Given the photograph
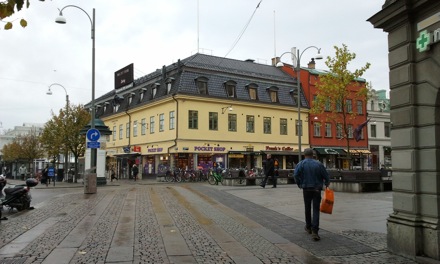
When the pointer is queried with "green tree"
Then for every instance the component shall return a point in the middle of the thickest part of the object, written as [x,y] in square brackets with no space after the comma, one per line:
[10,7]
[335,88]
[61,134]
[24,148]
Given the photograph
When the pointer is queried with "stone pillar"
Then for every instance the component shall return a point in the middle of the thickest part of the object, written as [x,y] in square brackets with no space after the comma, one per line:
[413,226]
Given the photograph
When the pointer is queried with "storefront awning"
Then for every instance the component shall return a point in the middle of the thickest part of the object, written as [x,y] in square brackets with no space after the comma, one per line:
[330,151]
[127,155]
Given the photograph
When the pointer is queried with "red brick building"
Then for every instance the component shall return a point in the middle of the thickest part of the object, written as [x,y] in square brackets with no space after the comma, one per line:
[326,139]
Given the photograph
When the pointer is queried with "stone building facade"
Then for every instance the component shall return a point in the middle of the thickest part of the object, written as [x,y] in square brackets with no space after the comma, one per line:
[413,29]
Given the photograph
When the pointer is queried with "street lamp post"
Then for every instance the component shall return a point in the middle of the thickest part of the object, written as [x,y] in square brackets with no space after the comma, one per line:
[297,58]
[49,92]
[62,20]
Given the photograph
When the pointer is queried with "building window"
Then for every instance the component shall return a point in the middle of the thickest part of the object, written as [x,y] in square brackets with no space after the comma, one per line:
[143,126]
[127,130]
[114,133]
[360,107]
[339,106]
[273,94]
[130,98]
[387,129]
[253,91]
[154,89]
[142,93]
[202,85]
[339,130]
[317,129]
[169,84]
[373,130]
[298,127]
[161,122]
[253,94]
[267,125]
[250,124]
[135,128]
[328,130]
[151,124]
[349,106]
[350,131]
[193,119]
[232,122]
[327,105]
[372,105]
[213,121]
[283,126]
[230,88]
[121,131]
[172,119]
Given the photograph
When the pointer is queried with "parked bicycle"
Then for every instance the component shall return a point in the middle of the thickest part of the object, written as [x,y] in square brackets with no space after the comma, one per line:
[173,176]
[215,176]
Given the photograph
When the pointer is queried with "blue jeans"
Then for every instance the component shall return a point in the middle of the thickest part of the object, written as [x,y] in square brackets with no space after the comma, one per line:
[312,200]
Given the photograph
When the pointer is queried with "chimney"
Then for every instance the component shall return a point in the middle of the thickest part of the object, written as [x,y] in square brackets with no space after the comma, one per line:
[275,61]
[311,64]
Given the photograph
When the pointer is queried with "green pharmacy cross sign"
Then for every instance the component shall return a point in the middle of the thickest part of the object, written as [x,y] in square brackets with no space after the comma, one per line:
[423,41]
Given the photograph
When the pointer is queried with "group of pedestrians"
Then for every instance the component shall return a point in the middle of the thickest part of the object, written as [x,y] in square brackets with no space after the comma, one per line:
[311,176]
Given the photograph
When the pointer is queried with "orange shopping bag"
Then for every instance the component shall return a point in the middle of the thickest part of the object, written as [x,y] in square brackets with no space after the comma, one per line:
[327,201]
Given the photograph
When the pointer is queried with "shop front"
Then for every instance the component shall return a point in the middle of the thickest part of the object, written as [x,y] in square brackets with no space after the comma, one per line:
[331,157]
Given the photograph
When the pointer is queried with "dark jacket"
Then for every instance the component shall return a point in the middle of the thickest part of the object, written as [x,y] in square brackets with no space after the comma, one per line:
[269,167]
[135,170]
[310,173]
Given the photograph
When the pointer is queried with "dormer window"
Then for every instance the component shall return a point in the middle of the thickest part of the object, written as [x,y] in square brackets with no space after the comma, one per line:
[230,87]
[169,84]
[273,94]
[105,106]
[202,85]
[130,98]
[142,94]
[156,87]
[252,89]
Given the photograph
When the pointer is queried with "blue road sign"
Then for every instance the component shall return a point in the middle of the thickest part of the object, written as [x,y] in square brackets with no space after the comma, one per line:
[93,134]
[51,171]
[93,144]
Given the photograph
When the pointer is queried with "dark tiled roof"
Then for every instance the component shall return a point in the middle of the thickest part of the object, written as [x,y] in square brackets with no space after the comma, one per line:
[218,71]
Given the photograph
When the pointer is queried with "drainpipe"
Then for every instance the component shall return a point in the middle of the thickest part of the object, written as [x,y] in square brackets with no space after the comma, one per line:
[177,125]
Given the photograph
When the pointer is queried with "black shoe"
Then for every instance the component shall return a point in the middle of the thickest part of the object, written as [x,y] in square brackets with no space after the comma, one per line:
[315,236]
[273,186]
[261,185]
[308,230]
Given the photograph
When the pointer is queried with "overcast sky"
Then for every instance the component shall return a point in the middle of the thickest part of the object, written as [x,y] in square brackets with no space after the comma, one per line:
[153,33]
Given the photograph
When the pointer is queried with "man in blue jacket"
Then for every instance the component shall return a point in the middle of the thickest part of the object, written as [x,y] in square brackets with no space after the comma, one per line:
[311,176]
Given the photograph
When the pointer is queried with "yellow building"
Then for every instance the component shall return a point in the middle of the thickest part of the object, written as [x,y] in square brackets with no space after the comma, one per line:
[201,110]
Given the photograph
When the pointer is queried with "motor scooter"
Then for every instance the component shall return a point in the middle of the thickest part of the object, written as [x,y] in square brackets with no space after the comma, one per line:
[18,197]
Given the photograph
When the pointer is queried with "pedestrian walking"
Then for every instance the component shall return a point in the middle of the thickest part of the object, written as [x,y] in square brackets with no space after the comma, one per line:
[113,175]
[269,170]
[135,171]
[44,175]
[311,176]
[22,170]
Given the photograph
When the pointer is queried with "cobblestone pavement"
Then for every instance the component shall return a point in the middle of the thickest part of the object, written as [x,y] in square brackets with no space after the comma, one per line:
[178,223]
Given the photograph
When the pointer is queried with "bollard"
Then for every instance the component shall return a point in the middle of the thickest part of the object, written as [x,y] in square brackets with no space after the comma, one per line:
[89,183]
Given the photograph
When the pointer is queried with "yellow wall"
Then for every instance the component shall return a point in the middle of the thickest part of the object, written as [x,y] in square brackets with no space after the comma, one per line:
[203,136]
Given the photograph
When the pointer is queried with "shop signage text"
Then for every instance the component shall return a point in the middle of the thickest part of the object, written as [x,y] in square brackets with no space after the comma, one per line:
[155,150]
[210,149]
[275,148]
[427,38]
